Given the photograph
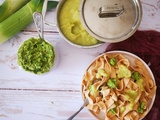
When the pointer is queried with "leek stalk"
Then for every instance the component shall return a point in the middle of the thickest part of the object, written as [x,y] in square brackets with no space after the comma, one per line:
[10,6]
[20,19]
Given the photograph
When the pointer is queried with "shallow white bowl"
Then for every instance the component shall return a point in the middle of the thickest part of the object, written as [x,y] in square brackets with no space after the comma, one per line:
[131,57]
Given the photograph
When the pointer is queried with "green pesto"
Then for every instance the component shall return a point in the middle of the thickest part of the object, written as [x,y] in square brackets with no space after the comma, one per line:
[36,55]
[111,83]
[113,61]
[141,107]
[113,111]
[135,76]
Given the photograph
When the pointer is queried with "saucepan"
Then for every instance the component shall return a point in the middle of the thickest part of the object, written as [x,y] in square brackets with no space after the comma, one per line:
[90,23]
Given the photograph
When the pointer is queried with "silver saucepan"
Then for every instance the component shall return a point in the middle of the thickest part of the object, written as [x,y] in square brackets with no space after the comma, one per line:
[108,21]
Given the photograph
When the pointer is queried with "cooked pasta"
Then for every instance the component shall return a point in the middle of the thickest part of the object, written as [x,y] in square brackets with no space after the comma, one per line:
[117,88]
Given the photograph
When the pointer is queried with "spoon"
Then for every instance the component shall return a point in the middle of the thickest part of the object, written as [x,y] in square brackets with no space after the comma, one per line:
[84,104]
[38,20]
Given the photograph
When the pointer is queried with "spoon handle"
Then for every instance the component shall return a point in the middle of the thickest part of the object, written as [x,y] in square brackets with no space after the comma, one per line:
[38,20]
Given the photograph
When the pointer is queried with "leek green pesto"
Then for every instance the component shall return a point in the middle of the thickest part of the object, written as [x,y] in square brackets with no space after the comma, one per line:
[36,55]
[70,24]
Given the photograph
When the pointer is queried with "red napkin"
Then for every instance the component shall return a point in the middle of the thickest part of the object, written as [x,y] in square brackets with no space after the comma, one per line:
[146,45]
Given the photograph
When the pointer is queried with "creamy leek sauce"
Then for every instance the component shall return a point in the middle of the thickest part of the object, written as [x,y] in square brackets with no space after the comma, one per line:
[70,24]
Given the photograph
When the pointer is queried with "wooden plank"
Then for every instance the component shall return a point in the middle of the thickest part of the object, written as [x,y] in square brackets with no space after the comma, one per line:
[40,105]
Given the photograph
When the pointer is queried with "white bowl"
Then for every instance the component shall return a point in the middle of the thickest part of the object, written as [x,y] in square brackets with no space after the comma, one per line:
[131,57]
[56,59]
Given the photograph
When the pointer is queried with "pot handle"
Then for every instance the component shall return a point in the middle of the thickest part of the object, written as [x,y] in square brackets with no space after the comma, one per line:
[110,11]
[44,10]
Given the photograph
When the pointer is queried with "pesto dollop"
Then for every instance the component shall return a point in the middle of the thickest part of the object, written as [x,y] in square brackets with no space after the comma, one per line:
[36,55]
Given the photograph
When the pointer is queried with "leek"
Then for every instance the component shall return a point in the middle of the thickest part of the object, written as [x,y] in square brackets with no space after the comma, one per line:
[9,7]
[20,19]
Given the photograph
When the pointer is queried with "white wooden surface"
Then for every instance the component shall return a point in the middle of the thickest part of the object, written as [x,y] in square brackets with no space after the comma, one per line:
[55,95]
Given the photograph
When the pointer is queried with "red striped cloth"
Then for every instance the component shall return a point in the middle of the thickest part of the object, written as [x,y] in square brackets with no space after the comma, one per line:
[146,45]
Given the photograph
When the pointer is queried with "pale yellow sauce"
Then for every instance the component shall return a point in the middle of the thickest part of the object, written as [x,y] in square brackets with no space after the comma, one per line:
[70,24]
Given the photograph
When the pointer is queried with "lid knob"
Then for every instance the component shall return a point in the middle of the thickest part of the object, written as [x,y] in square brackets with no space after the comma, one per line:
[111,11]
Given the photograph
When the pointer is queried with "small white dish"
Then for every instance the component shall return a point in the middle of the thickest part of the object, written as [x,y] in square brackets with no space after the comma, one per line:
[56,56]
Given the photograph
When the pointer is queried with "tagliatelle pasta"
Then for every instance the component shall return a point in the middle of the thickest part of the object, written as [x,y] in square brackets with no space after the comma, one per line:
[118,88]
